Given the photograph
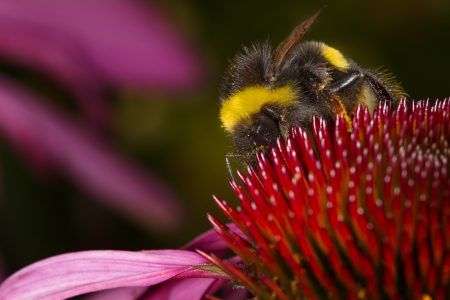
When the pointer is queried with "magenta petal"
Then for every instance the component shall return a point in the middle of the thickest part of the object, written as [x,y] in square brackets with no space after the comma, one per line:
[78,273]
[210,242]
[52,52]
[54,55]
[44,133]
[192,289]
[128,293]
[178,289]
[174,289]
[123,41]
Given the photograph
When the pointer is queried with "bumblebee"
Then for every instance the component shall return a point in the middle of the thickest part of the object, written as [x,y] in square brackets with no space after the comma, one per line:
[266,92]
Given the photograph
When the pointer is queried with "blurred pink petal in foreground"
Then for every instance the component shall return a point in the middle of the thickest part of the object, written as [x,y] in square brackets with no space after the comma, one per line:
[89,46]
[40,131]
[117,41]
[72,274]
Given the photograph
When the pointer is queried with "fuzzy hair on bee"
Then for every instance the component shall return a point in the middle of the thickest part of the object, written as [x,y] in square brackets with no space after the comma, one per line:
[266,92]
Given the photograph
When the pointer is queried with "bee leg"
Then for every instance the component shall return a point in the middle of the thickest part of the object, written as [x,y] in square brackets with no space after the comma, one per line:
[228,156]
[346,82]
[381,90]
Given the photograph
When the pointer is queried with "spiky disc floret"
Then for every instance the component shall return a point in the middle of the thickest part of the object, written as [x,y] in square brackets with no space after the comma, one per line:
[339,214]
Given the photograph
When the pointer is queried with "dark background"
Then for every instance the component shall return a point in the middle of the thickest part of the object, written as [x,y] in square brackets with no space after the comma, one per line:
[179,137]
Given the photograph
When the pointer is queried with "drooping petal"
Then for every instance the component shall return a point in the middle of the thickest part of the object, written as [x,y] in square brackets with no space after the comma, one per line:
[183,286]
[192,289]
[121,41]
[128,293]
[72,274]
[41,131]
[174,289]
[210,242]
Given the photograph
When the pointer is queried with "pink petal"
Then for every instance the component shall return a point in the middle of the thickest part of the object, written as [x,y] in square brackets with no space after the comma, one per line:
[120,40]
[48,49]
[72,274]
[42,131]
[192,289]
[55,54]
[129,293]
[210,242]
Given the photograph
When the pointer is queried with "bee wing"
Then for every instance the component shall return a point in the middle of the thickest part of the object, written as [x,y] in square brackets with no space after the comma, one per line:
[293,39]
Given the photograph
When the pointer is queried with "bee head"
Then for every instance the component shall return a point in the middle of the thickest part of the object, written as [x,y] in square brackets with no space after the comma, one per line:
[250,108]
[253,116]
[260,131]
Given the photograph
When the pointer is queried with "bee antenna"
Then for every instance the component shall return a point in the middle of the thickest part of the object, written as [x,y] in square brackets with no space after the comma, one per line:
[293,39]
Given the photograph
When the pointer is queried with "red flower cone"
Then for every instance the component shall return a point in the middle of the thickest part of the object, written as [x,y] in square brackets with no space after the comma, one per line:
[348,213]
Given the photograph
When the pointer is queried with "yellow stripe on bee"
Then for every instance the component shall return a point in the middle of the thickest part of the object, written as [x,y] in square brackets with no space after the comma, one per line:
[245,103]
[334,57]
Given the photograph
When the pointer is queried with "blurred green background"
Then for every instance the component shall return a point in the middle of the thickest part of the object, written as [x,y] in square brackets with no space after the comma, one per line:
[179,136]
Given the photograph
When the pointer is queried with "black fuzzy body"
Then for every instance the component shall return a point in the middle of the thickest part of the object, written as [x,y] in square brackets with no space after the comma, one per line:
[322,90]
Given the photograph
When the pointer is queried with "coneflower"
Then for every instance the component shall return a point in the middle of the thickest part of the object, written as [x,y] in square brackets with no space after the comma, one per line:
[339,213]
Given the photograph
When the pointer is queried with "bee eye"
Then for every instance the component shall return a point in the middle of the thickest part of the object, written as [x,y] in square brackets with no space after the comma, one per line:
[258,136]
[312,77]
[265,130]
[317,73]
